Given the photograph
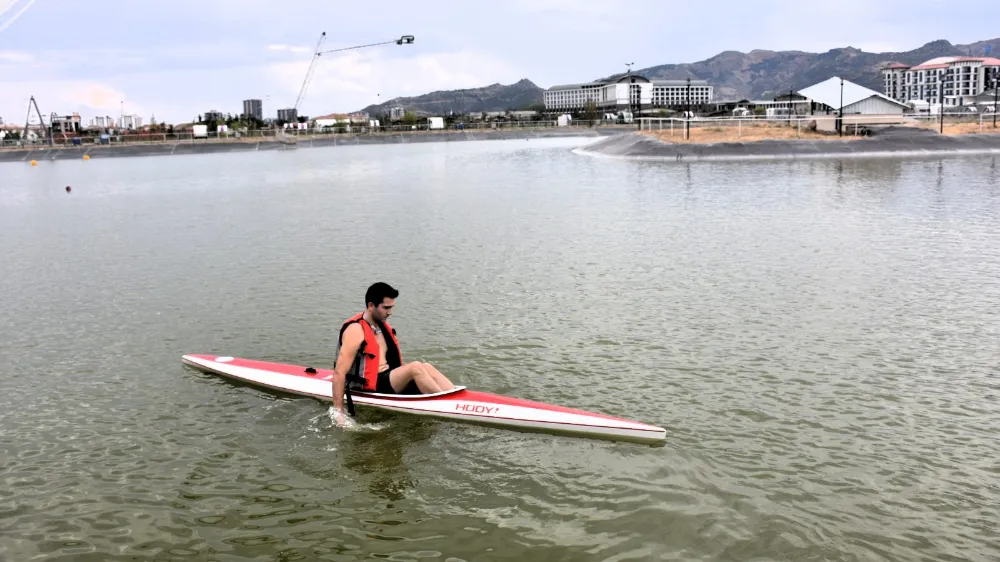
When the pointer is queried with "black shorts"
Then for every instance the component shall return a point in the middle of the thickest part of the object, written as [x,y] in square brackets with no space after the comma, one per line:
[383,386]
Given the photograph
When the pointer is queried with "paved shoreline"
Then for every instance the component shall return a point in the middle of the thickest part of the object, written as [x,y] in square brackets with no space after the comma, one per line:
[893,142]
[212,147]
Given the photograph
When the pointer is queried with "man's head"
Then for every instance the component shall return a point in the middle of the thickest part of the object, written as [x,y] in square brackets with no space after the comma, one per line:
[379,300]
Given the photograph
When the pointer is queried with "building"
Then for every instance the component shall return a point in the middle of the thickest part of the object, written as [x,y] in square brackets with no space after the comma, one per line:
[288,115]
[105,122]
[212,115]
[396,113]
[130,122]
[66,123]
[825,98]
[952,81]
[343,119]
[253,108]
[631,92]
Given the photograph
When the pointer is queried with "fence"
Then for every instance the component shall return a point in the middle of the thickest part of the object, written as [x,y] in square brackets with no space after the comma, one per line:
[292,136]
[808,126]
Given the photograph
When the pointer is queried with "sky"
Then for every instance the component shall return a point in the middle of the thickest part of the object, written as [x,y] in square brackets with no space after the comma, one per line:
[176,59]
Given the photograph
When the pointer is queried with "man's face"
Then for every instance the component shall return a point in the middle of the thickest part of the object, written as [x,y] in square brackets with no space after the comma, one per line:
[383,311]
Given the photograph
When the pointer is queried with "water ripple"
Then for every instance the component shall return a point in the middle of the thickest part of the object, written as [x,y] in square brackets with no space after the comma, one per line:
[818,338]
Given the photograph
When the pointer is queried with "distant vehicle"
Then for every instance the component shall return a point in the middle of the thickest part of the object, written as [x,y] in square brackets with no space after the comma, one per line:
[199,131]
[435,122]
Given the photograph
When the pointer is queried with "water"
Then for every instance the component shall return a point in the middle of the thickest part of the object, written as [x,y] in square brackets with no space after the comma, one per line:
[820,340]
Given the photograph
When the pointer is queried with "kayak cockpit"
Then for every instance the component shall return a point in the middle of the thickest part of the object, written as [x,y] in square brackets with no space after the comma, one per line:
[408,396]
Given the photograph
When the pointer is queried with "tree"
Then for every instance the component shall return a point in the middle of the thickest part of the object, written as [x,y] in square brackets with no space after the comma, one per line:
[409,118]
[590,110]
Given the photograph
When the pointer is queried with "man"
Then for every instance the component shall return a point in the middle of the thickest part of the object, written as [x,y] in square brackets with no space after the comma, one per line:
[371,362]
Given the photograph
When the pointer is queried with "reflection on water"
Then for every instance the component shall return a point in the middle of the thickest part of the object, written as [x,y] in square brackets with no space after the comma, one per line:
[379,456]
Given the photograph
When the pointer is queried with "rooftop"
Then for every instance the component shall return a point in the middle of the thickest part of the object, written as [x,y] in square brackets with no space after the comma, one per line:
[828,93]
[625,78]
[944,62]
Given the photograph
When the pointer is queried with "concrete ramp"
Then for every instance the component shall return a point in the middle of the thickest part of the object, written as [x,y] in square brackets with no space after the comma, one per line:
[891,142]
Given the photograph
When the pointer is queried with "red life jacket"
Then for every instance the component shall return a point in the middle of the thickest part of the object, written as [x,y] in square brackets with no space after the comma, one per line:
[363,373]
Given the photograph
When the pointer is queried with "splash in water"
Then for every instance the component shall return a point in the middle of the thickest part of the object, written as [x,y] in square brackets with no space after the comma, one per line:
[350,424]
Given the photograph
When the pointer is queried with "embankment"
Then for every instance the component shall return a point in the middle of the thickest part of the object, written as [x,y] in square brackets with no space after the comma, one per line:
[212,147]
[894,141]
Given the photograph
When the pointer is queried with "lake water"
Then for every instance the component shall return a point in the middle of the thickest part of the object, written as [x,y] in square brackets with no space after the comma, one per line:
[820,339]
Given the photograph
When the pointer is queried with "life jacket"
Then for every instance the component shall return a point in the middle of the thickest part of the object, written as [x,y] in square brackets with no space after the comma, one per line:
[363,373]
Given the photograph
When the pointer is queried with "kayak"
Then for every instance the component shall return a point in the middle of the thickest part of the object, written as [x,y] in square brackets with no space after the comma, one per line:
[458,404]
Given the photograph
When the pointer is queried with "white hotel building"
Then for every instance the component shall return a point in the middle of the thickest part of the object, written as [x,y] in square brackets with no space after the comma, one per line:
[632,92]
[962,80]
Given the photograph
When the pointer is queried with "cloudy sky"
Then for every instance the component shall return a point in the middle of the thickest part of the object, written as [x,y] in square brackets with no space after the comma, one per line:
[177,58]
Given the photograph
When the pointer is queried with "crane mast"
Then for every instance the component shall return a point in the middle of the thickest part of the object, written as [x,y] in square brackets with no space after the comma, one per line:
[309,73]
[403,40]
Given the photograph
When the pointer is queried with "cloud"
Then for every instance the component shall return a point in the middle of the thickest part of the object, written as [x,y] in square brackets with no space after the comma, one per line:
[189,56]
[15,57]
[298,49]
[355,80]
[88,97]
[10,21]
[569,8]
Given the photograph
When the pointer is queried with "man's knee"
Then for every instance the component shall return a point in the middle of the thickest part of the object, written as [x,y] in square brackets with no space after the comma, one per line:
[417,369]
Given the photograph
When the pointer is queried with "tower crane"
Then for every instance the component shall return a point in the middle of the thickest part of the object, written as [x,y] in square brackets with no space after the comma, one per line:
[403,40]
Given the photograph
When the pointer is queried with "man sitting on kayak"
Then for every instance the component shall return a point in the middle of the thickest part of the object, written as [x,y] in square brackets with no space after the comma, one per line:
[371,362]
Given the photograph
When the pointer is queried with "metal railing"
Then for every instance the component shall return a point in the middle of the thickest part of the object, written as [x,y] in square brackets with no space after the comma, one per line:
[290,135]
[851,125]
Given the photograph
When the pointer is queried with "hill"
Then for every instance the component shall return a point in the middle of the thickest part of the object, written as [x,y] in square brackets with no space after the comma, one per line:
[763,74]
[495,97]
[759,74]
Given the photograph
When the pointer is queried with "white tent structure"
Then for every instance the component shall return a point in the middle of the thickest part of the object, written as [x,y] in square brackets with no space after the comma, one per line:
[857,100]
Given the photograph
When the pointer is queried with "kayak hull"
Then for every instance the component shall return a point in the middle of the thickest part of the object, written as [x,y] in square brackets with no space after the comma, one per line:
[459,404]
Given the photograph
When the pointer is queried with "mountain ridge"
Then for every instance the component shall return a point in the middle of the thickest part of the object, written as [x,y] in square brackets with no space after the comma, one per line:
[734,75]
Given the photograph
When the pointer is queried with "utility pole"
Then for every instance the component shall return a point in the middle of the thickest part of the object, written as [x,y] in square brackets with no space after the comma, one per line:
[687,112]
[789,107]
[629,75]
[996,83]
[840,121]
[947,77]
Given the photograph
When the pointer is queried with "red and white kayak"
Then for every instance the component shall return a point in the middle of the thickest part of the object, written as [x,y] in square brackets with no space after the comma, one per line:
[458,404]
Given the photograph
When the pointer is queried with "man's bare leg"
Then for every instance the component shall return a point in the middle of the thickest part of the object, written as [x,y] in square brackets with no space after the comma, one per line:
[441,380]
[417,372]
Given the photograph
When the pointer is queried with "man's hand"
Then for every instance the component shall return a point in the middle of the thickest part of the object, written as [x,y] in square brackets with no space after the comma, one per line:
[340,418]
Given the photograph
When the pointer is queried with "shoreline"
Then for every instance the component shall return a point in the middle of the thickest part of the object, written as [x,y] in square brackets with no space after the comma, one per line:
[894,142]
[214,147]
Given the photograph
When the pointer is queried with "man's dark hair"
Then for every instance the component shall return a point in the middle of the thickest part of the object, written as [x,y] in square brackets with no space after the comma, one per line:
[378,292]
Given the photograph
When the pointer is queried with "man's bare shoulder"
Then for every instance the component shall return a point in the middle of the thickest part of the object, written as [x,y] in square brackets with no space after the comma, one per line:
[354,332]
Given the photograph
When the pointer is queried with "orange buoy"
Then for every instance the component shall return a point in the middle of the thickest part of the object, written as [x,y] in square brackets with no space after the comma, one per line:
[34,163]
[86,157]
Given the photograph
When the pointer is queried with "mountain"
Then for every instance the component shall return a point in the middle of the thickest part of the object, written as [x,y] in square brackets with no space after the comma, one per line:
[495,97]
[763,74]
[758,74]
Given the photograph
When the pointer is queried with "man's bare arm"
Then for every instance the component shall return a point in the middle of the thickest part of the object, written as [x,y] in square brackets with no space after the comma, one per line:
[353,336]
